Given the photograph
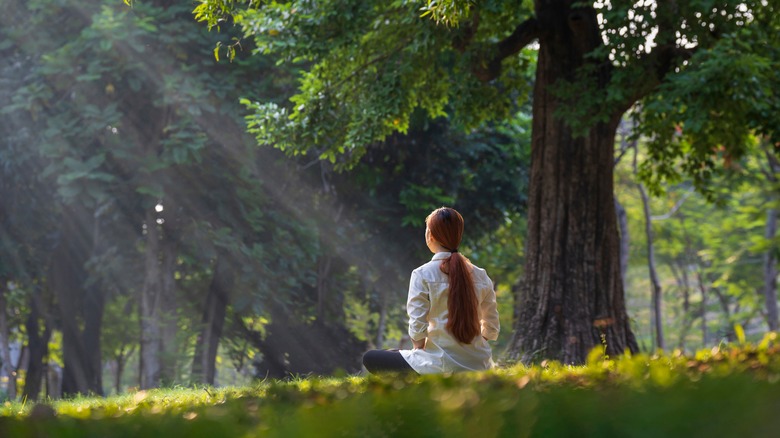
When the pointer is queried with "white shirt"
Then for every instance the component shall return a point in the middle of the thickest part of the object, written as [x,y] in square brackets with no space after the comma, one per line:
[427,308]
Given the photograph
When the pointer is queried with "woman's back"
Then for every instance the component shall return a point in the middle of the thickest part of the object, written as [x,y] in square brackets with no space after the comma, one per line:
[451,306]
[427,306]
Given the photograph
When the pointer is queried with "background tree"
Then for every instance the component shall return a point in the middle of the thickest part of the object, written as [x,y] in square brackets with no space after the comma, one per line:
[709,253]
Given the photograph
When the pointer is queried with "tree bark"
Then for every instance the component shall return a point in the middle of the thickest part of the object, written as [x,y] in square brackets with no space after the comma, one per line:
[572,298]
[656,296]
[38,344]
[215,308]
[770,272]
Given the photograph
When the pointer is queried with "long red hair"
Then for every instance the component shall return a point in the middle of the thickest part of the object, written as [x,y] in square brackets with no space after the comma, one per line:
[446,227]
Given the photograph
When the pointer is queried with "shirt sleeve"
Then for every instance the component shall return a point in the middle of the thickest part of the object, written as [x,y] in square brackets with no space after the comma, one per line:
[418,305]
[488,314]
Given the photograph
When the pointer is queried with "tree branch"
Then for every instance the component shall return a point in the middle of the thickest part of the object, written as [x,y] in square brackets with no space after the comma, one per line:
[676,207]
[524,34]
[463,40]
[661,61]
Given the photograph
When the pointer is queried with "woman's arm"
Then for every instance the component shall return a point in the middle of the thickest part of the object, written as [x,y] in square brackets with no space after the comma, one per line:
[488,314]
[418,305]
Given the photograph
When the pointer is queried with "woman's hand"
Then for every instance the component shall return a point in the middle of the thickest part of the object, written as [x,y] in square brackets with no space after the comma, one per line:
[419,345]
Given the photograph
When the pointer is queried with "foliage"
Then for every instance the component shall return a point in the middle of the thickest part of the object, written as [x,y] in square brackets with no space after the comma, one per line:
[105,127]
[704,116]
[726,390]
[372,66]
[709,253]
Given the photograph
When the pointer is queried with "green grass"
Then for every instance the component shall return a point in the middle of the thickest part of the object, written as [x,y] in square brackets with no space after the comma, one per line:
[727,391]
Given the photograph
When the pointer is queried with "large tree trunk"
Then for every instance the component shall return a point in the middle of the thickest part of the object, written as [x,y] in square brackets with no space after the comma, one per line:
[572,299]
[770,272]
[204,362]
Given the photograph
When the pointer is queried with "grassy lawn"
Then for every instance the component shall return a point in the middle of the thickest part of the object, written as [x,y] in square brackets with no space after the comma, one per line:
[727,391]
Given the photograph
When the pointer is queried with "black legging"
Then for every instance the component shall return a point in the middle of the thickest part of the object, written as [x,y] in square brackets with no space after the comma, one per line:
[378,361]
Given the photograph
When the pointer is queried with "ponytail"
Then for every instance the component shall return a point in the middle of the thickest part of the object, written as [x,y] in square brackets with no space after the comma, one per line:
[446,226]
[463,320]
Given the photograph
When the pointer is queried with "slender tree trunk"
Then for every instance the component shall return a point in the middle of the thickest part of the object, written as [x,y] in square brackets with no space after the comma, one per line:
[683,283]
[723,300]
[323,276]
[168,308]
[120,369]
[78,304]
[94,307]
[625,240]
[67,281]
[121,362]
[5,346]
[204,362]
[572,299]
[159,349]
[149,308]
[704,304]
[655,283]
[38,344]
[770,272]
[92,310]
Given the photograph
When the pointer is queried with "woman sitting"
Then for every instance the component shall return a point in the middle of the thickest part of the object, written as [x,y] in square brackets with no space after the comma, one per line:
[451,306]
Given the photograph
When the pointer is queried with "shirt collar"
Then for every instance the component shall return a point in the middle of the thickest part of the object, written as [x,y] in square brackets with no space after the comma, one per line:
[441,256]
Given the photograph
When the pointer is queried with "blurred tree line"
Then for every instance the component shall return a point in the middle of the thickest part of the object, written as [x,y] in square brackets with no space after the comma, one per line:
[142,228]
